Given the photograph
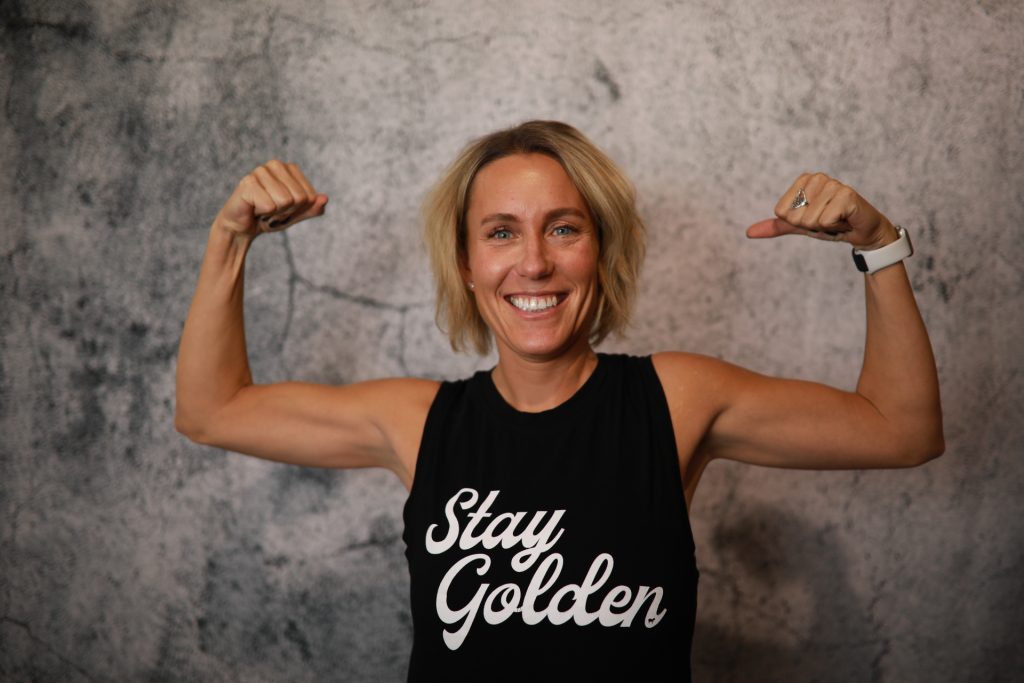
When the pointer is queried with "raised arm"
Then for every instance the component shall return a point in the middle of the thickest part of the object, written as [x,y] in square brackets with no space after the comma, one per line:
[359,425]
[892,419]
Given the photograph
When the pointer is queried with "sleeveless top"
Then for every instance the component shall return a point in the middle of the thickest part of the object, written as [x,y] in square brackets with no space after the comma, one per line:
[552,545]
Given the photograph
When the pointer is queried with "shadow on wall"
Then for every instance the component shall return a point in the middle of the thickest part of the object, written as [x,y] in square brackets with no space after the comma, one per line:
[765,615]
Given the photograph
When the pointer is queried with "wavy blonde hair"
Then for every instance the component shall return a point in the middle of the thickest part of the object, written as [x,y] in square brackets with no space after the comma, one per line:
[609,196]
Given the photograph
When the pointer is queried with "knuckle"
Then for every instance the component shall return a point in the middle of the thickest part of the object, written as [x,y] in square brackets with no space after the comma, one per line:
[249,184]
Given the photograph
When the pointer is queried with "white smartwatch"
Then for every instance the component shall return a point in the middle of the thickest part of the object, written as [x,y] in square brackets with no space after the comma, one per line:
[873,260]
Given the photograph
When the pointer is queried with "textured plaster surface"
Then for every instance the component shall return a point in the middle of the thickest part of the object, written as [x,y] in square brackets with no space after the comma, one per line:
[129,553]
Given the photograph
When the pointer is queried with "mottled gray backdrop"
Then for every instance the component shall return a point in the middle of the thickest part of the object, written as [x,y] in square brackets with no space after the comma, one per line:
[128,553]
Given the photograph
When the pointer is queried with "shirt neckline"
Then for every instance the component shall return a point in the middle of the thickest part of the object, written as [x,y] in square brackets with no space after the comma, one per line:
[572,404]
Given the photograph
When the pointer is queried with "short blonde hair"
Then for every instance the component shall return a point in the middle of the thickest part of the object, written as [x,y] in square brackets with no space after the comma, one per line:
[606,190]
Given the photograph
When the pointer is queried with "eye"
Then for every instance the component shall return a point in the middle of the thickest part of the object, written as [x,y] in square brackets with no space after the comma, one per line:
[563,230]
[500,234]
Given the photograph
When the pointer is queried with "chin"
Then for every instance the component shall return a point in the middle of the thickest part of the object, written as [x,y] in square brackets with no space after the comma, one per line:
[539,349]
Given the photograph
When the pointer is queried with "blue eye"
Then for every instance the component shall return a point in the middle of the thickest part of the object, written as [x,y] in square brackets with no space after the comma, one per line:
[563,230]
[501,234]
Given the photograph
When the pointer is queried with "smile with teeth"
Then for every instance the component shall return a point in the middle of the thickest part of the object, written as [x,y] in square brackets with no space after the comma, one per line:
[533,304]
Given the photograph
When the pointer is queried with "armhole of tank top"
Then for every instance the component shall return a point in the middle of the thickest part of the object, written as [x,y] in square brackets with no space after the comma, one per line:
[658,395]
[440,406]
[665,417]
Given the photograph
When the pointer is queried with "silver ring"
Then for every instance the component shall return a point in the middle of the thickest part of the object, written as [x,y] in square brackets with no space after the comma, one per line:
[800,201]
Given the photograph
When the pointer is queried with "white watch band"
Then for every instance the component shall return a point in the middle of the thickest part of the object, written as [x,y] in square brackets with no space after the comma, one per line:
[873,260]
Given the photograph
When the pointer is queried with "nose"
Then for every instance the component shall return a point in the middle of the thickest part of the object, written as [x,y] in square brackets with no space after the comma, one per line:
[535,260]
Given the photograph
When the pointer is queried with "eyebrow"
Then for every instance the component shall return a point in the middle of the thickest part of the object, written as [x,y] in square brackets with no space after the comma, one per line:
[550,215]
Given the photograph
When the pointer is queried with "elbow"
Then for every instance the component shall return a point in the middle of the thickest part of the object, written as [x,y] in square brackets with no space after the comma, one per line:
[190,428]
[199,422]
[928,453]
[916,439]
[924,448]
[934,440]
[938,447]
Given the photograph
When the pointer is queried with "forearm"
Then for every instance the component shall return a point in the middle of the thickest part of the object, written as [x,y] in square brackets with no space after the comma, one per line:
[212,358]
[899,376]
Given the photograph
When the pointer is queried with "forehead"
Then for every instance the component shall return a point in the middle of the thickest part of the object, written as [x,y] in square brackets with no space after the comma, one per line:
[521,184]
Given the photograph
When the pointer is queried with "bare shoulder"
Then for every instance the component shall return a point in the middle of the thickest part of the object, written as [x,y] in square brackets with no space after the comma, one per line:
[692,377]
[408,392]
[399,407]
[395,404]
[697,390]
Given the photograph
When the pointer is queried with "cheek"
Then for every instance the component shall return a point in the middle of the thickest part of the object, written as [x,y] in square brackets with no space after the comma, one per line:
[586,264]
[487,267]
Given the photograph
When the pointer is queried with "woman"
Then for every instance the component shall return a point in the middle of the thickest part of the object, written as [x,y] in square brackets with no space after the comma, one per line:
[547,513]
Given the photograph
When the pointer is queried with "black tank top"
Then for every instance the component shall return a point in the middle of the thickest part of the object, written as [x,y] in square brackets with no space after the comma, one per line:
[552,545]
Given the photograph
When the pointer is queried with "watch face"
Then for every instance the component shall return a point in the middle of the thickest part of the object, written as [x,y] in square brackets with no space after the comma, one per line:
[858,260]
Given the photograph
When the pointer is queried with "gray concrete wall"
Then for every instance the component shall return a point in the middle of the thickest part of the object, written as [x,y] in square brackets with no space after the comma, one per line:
[128,553]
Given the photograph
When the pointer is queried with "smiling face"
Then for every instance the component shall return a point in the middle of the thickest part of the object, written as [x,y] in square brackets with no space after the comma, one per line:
[531,256]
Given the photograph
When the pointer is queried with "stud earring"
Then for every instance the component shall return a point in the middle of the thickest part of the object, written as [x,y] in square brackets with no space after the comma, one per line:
[471,286]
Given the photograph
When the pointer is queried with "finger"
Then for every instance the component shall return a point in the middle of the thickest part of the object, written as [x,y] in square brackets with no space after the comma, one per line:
[239,213]
[834,204]
[820,192]
[300,177]
[317,201]
[785,203]
[301,197]
[256,196]
[279,192]
[841,206]
[279,212]
[771,227]
[303,192]
[819,189]
[813,190]
[317,209]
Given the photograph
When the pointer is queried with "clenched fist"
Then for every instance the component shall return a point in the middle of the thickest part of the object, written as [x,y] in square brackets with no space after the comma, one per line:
[275,196]
[819,206]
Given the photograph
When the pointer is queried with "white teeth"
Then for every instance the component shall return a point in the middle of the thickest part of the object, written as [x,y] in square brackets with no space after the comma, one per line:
[533,303]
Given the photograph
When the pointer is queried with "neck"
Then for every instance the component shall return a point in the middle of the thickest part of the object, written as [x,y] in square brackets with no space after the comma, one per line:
[533,385]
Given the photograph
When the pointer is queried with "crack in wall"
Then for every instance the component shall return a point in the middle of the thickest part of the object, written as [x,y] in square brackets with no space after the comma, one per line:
[67,30]
[401,343]
[359,299]
[293,275]
[46,646]
[15,518]
[295,278]
[877,674]
[372,542]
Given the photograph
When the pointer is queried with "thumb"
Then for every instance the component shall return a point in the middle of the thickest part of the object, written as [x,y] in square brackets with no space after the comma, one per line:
[317,209]
[770,227]
[320,204]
